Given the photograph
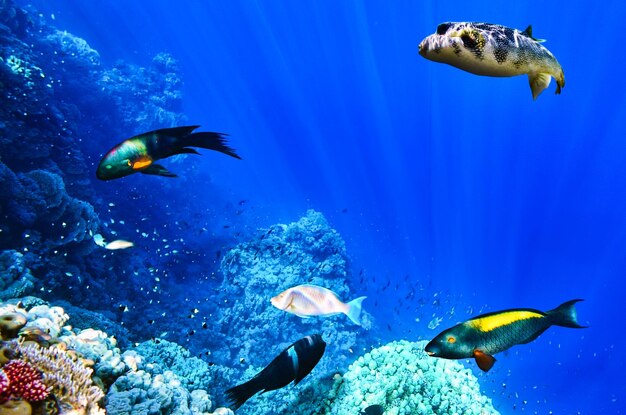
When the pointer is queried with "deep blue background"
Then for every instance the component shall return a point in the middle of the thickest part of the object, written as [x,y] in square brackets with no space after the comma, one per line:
[432,175]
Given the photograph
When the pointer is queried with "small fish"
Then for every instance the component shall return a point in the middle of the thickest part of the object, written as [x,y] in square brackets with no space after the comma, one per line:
[493,50]
[119,244]
[310,300]
[292,364]
[483,336]
[138,154]
[373,410]
[99,240]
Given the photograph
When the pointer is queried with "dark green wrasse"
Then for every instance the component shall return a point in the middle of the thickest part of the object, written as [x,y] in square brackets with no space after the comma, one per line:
[138,154]
[483,336]
[292,364]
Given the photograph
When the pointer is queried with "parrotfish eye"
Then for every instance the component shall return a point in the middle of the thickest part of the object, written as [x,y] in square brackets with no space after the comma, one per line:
[443,28]
[108,167]
[451,339]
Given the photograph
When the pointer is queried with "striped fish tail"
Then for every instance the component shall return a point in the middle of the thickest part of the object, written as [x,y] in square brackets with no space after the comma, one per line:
[565,315]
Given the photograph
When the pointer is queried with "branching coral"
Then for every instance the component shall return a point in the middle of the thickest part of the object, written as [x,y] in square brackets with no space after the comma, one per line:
[69,380]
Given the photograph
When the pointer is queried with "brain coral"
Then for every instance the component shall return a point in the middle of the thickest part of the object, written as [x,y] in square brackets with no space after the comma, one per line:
[402,378]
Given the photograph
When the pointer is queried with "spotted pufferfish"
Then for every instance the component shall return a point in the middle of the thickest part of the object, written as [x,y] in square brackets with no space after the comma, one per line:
[494,50]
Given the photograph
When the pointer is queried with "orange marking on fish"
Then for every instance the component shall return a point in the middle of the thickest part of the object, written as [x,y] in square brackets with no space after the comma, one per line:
[141,162]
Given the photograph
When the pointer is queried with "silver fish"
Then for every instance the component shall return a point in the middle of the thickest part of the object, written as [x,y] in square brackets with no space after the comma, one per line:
[311,300]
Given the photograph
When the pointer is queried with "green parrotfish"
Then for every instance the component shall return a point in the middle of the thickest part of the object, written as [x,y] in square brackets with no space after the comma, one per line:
[483,336]
[139,153]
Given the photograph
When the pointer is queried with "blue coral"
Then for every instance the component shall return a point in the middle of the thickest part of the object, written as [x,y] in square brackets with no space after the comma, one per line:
[15,278]
[402,378]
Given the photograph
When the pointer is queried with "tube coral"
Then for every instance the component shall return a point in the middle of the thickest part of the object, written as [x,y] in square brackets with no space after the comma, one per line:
[69,380]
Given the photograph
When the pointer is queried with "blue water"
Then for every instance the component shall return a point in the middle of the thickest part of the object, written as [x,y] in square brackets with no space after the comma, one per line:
[433,176]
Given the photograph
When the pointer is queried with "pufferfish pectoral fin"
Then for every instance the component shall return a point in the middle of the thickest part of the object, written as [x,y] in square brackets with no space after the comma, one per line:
[538,82]
[483,360]
[158,170]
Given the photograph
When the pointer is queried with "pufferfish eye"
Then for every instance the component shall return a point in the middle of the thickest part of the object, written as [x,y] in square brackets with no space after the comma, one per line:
[443,28]
[451,339]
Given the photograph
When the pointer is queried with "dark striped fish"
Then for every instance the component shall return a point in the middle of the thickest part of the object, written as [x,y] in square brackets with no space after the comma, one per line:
[373,410]
[292,364]
[483,336]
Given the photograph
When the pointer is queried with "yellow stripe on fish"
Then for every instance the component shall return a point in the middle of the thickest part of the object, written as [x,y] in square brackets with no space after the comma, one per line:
[495,321]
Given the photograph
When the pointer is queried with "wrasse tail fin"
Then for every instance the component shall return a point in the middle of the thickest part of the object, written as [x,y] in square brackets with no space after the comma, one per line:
[354,310]
[483,360]
[210,141]
[538,82]
[239,394]
[565,315]
[158,170]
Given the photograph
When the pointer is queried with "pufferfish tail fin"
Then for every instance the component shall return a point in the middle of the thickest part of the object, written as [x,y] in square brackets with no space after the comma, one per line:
[538,82]
[565,315]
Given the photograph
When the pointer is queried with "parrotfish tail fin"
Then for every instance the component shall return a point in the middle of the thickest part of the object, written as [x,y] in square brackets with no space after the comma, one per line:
[241,393]
[354,310]
[565,315]
[538,82]
[483,360]
[210,141]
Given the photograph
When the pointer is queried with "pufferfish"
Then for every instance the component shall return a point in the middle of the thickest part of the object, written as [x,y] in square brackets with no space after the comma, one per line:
[494,50]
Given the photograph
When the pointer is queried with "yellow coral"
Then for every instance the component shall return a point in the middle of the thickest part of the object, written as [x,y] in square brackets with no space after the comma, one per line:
[69,380]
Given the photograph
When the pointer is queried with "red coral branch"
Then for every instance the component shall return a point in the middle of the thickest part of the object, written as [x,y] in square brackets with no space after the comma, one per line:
[23,381]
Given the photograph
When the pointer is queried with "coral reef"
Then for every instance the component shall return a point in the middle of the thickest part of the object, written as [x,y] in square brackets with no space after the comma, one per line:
[308,251]
[402,378]
[15,278]
[23,381]
[157,87]
[60,104]
[68,378]
[97,346]
[141,392]
[39,369]
[164,378]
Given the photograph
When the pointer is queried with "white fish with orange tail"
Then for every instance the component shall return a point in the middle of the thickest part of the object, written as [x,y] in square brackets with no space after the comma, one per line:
[311,300]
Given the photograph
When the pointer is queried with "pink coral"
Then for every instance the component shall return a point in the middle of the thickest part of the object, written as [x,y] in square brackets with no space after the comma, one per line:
[4,387]
[24,381]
